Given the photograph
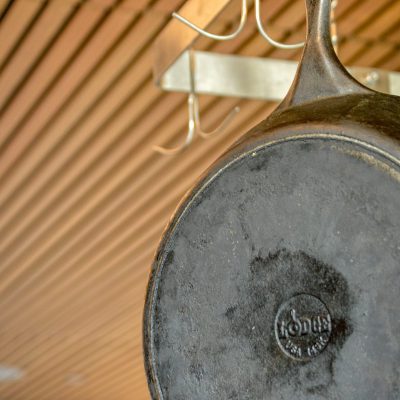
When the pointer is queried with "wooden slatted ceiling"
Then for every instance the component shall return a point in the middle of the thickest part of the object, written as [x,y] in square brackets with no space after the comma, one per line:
[83,197]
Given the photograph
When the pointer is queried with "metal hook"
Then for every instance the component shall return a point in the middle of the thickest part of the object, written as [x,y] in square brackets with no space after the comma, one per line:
[243,19]
[196,108]
[265,34]
[190,134]
[222,126]
[194,126]
[194,116]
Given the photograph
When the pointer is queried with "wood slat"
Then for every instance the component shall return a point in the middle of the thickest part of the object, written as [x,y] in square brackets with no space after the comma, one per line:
[95,51]
[382,23]
[29,52]
[55,62]
[361,15]
[4,4]
[15,22]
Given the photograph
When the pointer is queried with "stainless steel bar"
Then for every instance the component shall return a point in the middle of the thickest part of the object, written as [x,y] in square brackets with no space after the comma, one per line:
[253,77]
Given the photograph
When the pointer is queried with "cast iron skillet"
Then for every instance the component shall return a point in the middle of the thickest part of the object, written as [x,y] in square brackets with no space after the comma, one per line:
[278,276]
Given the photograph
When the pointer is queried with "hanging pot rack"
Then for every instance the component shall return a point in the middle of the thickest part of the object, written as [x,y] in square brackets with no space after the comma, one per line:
[179,68]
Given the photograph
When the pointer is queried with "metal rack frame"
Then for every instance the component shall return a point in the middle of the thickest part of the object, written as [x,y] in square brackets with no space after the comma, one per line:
[233,75]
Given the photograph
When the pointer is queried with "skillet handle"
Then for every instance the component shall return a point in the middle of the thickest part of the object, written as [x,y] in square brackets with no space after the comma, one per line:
[320,74]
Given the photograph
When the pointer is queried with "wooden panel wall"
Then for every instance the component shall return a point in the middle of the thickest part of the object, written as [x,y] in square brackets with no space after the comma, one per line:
[83,197]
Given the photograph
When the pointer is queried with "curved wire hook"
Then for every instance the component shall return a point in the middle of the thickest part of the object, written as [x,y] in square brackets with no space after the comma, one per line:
[265,34]
[194,116]
[222,126]
[243,19]
[189,136]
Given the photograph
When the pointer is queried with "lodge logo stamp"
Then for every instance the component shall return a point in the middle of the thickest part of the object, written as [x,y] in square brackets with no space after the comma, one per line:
[303,327]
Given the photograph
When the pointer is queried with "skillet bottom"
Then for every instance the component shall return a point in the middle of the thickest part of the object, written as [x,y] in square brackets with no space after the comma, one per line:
[280,280]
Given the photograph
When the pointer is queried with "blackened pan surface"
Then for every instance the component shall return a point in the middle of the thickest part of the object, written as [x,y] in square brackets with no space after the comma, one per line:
[302,222]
